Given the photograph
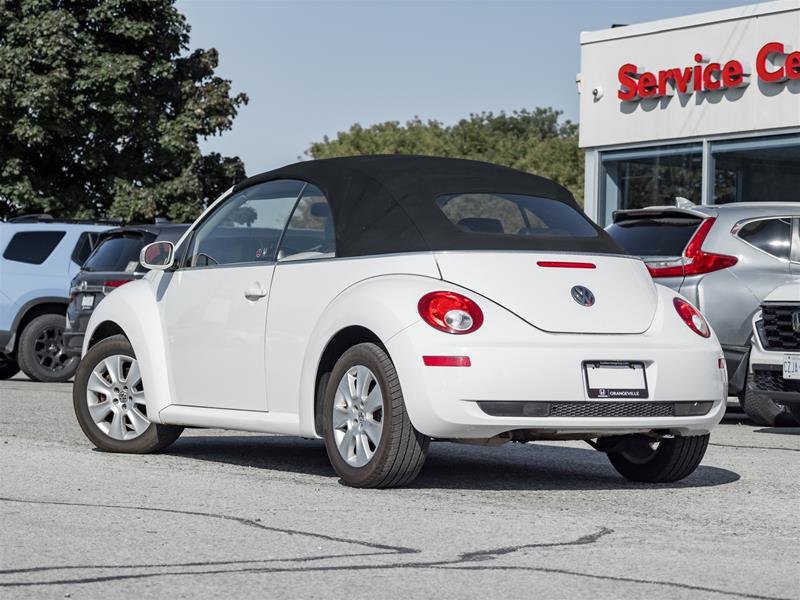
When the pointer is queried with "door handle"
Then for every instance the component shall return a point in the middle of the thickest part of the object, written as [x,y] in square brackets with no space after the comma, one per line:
[254,292]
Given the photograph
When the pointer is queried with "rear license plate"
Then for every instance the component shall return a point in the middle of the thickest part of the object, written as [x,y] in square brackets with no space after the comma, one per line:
[791,366]
[87,301]
[607,379]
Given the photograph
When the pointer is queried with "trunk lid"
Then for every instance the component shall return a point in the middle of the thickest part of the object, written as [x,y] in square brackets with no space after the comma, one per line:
[625,297]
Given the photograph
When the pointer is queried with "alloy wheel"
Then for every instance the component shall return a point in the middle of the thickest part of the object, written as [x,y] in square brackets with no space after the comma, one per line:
[115,397]
[358,416]
[49,349]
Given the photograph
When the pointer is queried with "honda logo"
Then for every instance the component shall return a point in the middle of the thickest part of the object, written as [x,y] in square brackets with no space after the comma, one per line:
[796,321]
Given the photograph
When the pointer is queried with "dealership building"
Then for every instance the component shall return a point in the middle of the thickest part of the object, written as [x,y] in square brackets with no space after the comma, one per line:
[704,107]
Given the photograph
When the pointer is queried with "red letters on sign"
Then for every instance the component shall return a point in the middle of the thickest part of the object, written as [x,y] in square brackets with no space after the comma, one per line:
[711,77]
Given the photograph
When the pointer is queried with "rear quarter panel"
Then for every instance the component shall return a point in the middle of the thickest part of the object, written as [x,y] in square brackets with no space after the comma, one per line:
[310,301]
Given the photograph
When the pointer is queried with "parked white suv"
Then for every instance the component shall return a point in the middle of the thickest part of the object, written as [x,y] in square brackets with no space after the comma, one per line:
[774,378]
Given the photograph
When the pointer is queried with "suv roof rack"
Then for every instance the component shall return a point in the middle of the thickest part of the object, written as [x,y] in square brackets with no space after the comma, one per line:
[45,218]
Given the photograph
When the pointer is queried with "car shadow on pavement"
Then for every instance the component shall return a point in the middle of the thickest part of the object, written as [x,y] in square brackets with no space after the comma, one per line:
[449,465]
[781,430]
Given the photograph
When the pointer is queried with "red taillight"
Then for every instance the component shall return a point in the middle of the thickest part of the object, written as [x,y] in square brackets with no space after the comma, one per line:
[450,312]
[692,317]
[446,361]
[695,261]
[560,264]
[115,283]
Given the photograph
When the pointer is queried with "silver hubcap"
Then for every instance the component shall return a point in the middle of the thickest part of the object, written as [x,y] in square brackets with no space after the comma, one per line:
[358,416]
[115,397]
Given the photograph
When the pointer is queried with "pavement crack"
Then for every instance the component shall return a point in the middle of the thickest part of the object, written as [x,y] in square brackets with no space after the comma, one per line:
[754,447]
[222,517]
[674,584]
[494,553]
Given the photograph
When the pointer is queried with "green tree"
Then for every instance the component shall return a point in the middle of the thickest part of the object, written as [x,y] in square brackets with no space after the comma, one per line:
[535,141]
[102,106]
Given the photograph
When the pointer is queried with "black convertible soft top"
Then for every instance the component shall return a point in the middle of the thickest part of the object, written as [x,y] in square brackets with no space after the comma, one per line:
[386,203]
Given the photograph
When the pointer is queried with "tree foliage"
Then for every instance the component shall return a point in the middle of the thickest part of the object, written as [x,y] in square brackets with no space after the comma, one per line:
[102,105]
[534,141]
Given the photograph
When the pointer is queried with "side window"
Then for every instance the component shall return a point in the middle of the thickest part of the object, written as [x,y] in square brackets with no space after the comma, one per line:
[86,243]
[773,236]
[310,233]
[246,228]
[33,247]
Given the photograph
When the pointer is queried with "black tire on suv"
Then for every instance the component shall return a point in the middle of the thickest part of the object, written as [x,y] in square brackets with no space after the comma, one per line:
[40,353]
[8,368]
[761,409]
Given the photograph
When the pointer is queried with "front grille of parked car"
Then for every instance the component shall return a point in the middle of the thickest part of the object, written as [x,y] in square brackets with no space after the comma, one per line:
[776,329]
[771,380]
[593,409]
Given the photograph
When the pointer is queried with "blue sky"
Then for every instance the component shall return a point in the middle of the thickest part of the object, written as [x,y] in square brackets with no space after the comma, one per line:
[314,68]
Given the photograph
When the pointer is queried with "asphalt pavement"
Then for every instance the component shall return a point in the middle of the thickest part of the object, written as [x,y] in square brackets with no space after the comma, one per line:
[234,515]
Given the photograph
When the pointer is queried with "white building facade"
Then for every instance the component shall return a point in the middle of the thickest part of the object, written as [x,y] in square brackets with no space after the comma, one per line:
[704,107]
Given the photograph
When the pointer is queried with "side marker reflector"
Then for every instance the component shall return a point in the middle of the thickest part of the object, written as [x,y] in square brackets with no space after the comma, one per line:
[446,361]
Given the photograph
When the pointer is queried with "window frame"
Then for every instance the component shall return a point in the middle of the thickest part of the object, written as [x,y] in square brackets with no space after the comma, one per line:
[793,219]
[182,263]
[289,259]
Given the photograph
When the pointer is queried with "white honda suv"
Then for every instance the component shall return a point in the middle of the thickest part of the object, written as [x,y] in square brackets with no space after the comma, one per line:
[383,302]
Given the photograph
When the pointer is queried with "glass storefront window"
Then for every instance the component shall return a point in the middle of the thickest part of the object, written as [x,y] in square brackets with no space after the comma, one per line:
[757,170]
[650,176]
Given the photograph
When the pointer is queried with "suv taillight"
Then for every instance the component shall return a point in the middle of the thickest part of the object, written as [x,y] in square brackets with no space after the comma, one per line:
[695,261]
[450,312]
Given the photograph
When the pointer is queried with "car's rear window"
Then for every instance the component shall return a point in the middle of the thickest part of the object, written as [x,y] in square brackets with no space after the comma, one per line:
[118,253]
[514,215]
[654,236]
[32,247]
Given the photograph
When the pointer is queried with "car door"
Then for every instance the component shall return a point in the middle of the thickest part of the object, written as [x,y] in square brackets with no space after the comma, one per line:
[214,306]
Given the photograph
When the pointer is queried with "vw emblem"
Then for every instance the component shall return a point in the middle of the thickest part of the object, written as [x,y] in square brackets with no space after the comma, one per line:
[796,321]
[582,295]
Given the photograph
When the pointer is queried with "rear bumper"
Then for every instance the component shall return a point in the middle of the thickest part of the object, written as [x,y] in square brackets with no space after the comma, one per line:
[73,343]
[546,370]
[736,359]
[77,321]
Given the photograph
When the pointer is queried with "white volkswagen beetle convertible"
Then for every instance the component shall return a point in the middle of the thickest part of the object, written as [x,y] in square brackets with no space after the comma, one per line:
[383,302]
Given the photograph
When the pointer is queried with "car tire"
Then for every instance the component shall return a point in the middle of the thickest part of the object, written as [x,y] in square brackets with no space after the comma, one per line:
[761,409]
[369,385]
[671,460]
[8,368]
[794,410]
[40,353]
[101,395]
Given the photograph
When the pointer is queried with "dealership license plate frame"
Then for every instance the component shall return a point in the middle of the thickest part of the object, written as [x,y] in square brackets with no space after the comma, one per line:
[791,366]
[87,301]
[613,371]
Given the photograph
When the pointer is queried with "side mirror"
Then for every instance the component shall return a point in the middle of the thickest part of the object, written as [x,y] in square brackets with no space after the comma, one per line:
[158,255]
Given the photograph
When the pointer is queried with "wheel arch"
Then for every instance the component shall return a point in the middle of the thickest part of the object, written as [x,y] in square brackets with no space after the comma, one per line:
[104,330]
[36,308]
[341,341]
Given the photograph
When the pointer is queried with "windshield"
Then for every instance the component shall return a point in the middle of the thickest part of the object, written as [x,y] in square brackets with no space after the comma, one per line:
[659,236]
[118,253]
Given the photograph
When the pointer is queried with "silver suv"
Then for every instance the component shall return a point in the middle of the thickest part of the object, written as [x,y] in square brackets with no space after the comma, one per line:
[725,259]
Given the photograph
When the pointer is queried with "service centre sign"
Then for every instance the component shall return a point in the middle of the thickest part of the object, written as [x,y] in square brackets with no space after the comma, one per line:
[774,64]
